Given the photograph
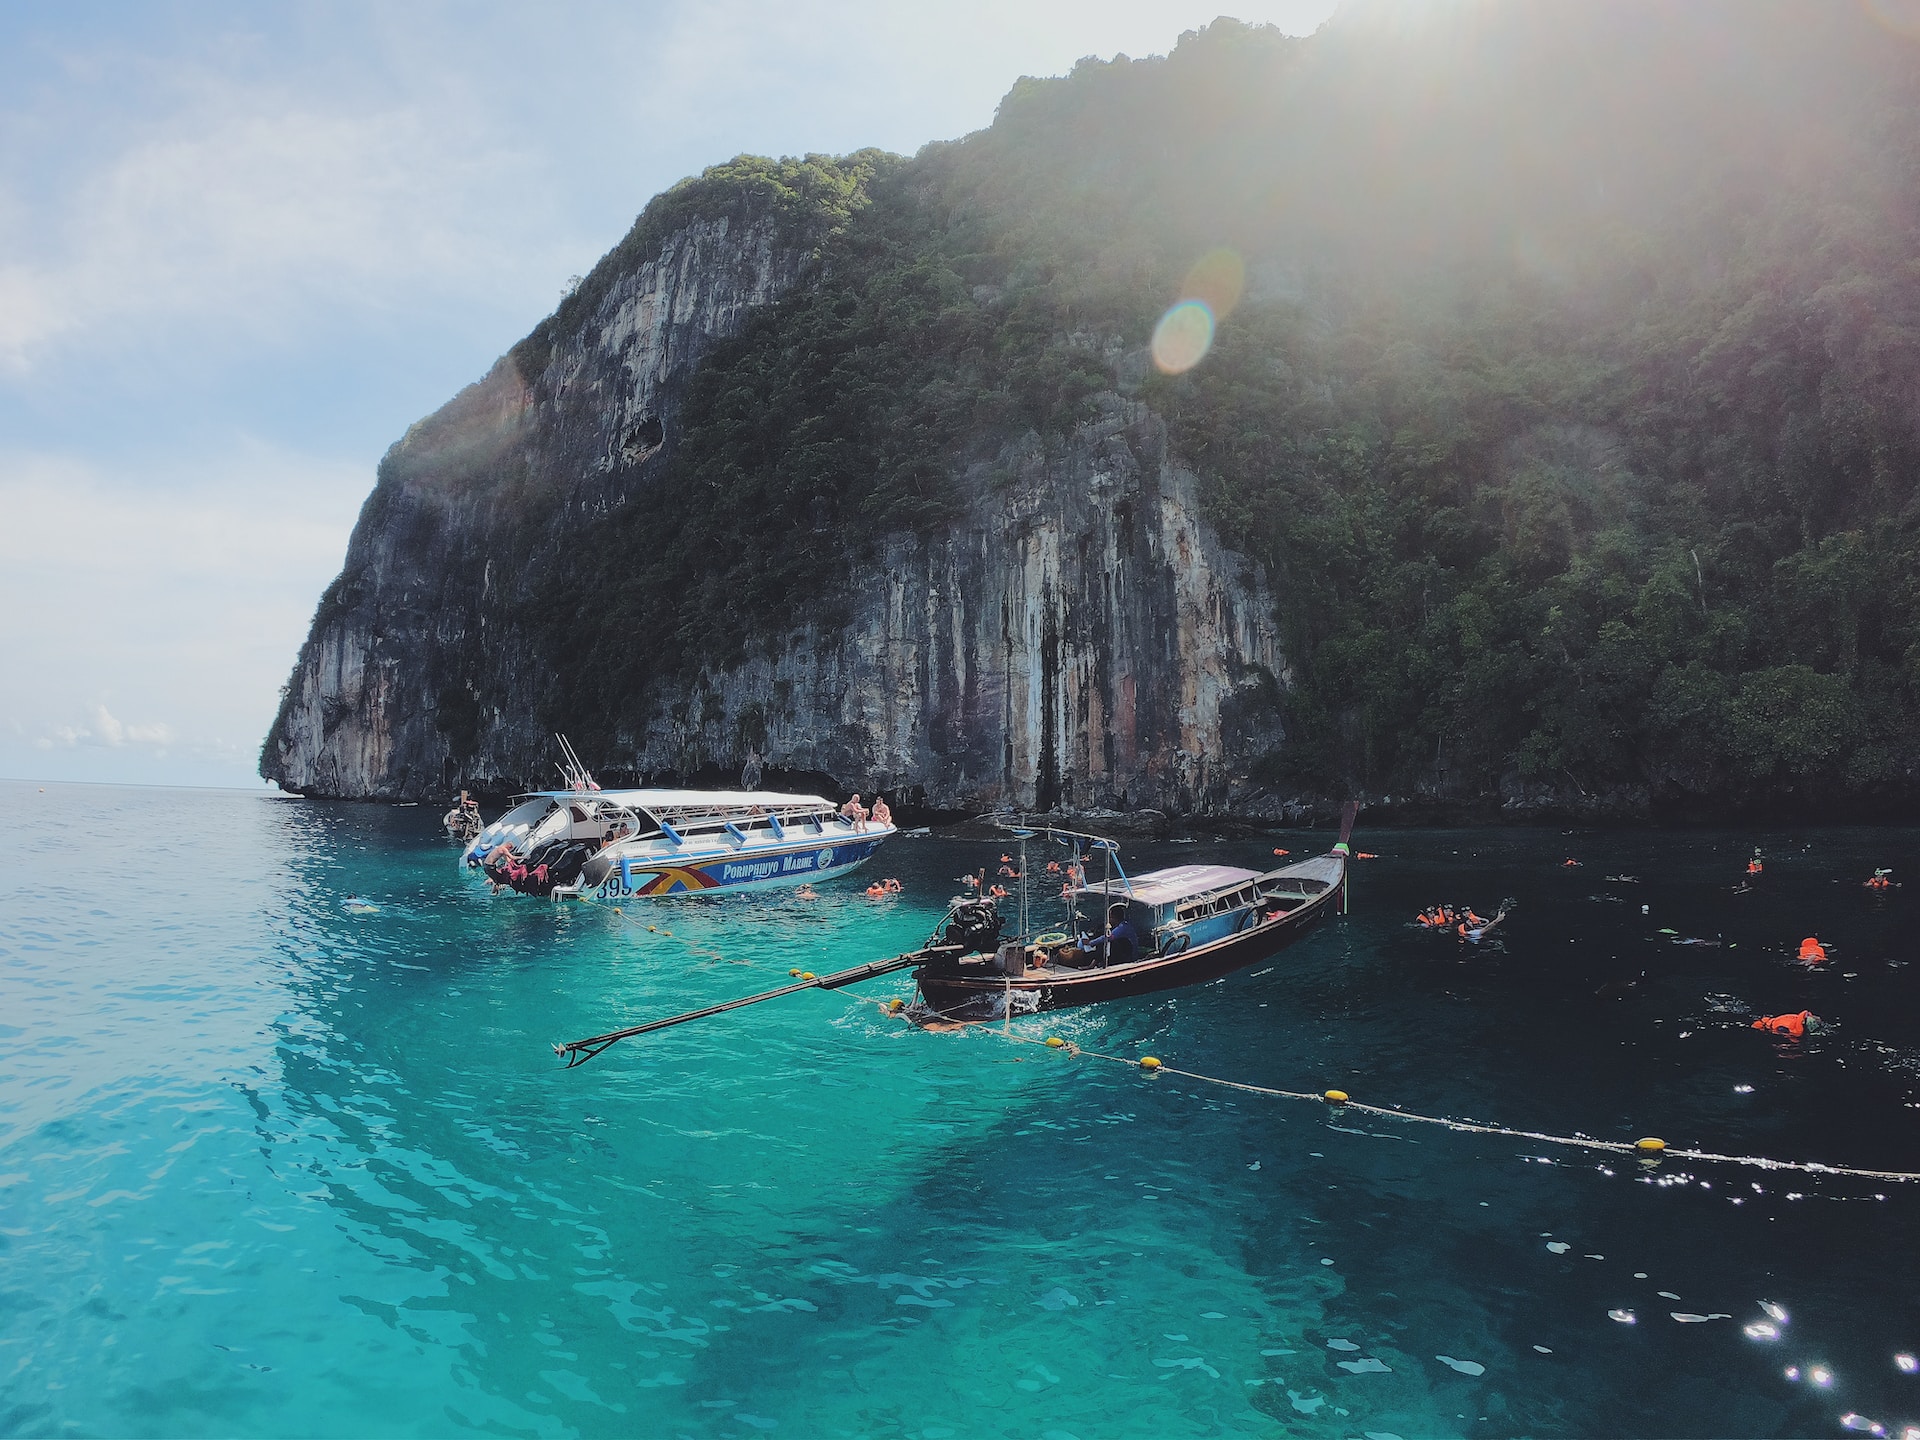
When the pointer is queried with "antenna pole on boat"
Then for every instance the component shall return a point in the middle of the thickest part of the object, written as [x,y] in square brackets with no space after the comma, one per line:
[1106,901]
[1348,814]
[1024,835]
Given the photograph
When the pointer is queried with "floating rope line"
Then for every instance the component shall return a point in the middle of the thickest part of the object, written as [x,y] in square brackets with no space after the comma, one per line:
[1649,1149]
[692,945]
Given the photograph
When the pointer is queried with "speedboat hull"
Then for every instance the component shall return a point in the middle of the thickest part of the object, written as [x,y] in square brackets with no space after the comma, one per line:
[764,868]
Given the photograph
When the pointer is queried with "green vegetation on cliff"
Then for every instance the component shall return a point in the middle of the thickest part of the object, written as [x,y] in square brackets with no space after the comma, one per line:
[1572,405]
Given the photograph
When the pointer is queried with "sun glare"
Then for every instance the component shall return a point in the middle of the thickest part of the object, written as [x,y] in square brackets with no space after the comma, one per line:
[1902,17]
[1183,337]
[1207,296]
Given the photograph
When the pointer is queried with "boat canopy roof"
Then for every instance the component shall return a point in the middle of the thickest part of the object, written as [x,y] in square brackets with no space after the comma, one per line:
[670,803]
[1164,887]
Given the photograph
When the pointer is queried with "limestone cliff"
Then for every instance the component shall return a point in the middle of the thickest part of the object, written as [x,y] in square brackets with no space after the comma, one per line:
[1077,637]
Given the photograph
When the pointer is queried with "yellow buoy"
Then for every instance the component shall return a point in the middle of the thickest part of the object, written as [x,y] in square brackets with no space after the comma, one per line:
[618,911]
[793,972]
[653,929]
[1336,1097]
[806,975]
[1651,1145]
[1149,1063]
[1054,1042]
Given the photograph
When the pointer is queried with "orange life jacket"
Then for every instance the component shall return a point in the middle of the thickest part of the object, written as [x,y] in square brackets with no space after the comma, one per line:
[1793,1025]
[1812,949]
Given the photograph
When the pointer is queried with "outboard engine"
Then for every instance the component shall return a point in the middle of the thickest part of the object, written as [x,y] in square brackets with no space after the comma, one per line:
[598,867]
[974,925]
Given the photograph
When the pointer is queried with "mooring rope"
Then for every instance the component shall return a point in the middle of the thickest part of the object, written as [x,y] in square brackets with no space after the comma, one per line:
[1647,1150]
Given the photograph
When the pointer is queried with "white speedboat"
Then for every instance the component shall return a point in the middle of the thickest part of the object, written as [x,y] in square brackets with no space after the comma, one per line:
[621,844]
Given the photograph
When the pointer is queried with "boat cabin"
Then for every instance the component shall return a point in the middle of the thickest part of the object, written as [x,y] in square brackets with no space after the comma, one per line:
[1189,905]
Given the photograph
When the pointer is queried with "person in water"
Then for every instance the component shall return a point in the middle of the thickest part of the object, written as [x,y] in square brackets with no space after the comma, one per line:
[1812,951]
[1794,1026]
[1477,933]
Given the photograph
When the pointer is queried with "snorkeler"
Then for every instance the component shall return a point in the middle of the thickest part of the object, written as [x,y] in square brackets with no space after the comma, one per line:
[1794,1026]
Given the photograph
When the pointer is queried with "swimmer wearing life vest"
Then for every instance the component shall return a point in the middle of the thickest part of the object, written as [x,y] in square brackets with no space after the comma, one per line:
[1882,880]
[1812,951]
[1474,934]
[1756,864]
[1794,1026]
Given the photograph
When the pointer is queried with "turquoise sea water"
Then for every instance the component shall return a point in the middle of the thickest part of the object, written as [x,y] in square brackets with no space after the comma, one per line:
[274,1165]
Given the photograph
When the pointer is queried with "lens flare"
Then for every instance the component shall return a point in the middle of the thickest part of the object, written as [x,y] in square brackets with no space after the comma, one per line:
[1217,278]
[1902,17]
[1183,337]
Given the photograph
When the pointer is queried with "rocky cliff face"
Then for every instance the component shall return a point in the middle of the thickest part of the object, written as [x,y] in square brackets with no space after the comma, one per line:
[1080,639]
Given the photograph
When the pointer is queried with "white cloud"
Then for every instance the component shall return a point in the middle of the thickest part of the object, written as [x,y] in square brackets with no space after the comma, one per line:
[178,591]
[102,728]
[244,217]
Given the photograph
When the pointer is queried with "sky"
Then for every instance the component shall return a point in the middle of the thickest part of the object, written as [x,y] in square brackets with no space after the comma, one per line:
[243,247]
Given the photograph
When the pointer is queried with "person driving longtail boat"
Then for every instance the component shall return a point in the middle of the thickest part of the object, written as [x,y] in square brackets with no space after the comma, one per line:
[1119,944]
[1793,1026]
[1812,951]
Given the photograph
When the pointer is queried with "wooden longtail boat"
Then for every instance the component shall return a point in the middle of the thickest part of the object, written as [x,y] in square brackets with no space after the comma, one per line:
[1189,924]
